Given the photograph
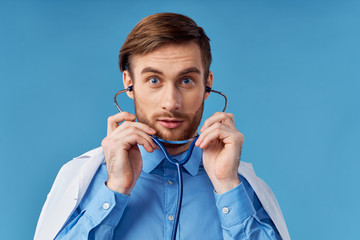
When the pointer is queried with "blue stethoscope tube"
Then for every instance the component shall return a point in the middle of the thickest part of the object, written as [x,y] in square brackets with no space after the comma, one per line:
[178,164]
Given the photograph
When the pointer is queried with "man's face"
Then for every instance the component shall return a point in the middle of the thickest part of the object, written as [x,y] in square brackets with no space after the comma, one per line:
[169,89]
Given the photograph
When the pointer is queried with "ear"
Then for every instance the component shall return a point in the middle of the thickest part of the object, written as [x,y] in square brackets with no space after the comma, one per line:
[209,83]
[128,82]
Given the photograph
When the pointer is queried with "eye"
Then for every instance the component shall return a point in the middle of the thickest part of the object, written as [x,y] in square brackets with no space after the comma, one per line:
[187,81]
[154,80]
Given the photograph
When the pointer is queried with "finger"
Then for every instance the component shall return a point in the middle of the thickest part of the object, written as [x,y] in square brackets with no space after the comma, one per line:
[139,138]
[128,138]
[226,118]
[131,128]
[217,131]
[140,126]
[214,135]
[113,121]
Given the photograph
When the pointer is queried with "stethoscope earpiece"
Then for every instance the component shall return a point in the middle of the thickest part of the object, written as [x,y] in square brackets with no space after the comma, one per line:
[131,88]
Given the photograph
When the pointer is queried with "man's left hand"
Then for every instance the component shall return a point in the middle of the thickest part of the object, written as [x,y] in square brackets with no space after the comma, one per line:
[221,143]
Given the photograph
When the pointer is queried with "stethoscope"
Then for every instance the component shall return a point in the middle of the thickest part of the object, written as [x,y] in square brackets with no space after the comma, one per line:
[177,163]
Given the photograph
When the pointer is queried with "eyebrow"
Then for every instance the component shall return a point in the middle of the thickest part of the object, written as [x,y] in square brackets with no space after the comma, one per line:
[189,70]
[151,70]
[183,72]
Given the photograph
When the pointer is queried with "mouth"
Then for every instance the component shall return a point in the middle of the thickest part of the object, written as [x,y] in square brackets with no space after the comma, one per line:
[170,122]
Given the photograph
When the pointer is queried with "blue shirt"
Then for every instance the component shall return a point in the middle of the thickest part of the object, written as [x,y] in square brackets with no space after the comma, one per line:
[148,213]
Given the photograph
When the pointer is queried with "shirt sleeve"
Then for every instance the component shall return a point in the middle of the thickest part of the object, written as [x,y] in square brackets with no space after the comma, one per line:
[97,215]
[242,215]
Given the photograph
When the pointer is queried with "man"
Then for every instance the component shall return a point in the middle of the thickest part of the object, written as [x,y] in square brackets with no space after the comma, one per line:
[126,190]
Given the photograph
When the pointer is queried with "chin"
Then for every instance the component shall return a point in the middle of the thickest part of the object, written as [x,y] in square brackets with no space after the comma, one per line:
[173,134]
[170,136]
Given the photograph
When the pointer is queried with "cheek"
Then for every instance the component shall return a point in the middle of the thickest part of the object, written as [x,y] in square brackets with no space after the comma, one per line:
[145,97]
[193,102]
[146,104]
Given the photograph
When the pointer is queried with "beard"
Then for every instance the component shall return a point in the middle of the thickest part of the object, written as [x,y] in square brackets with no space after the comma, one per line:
[186,131]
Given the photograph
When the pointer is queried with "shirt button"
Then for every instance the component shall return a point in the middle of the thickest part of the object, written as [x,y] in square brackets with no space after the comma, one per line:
[106,206]
[170,182]
[225,210]
[171,217]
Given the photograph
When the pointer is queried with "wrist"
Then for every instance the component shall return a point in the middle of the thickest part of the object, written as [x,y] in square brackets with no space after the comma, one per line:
[223,186]
[118,188]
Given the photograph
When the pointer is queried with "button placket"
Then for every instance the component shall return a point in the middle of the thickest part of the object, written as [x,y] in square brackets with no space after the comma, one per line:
[170,188]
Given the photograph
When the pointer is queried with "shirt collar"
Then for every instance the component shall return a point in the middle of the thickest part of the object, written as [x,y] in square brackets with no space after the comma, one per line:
[152,160]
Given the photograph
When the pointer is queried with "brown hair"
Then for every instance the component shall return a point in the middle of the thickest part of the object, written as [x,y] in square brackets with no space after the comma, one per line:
[159,29]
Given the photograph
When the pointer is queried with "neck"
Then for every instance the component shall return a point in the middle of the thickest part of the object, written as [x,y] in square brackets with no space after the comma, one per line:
[175,149]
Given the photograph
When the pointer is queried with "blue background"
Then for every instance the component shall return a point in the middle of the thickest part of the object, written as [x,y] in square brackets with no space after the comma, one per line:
[290,70]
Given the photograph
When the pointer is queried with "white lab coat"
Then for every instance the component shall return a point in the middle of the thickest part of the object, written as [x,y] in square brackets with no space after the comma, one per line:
[75,176]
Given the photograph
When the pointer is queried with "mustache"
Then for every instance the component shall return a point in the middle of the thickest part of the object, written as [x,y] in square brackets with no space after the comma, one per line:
[170,115]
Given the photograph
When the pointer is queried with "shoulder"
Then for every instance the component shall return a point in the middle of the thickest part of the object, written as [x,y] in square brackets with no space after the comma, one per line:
[73,168]
[76,163]
[77,172]
[70,184]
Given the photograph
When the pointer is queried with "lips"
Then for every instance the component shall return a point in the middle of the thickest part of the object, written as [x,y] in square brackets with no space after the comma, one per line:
[170,123]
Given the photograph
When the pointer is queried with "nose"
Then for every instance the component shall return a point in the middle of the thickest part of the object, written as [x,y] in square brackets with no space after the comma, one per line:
[171,100]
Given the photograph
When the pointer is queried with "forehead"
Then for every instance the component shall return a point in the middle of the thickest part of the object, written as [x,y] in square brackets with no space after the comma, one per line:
[169,58]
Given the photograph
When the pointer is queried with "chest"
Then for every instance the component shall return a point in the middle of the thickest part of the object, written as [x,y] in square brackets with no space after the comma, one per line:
[151,210]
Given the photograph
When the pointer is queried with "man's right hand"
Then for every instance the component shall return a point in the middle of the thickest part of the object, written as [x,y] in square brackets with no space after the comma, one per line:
[122,155]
